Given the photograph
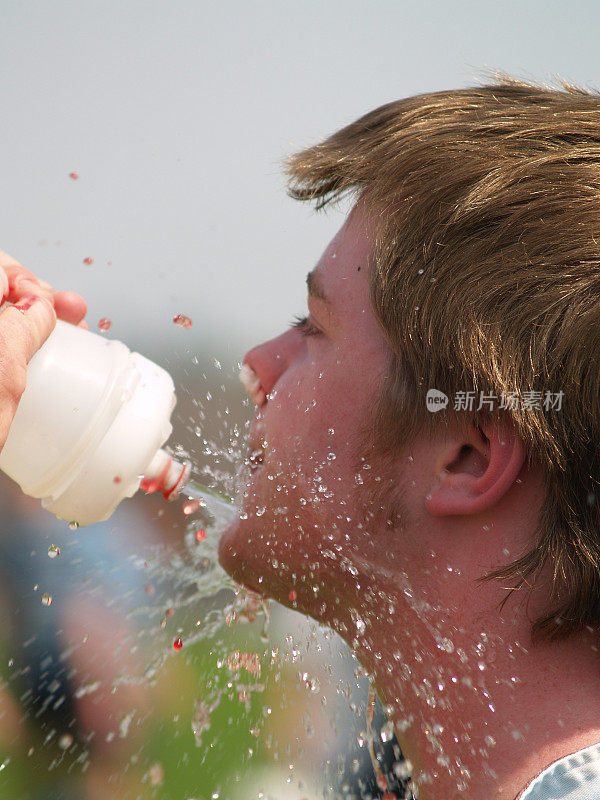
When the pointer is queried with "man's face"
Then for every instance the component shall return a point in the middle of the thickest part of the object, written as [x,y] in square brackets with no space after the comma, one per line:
[301,508]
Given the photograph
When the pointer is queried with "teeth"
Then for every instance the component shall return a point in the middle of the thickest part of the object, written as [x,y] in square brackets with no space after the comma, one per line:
[252,385]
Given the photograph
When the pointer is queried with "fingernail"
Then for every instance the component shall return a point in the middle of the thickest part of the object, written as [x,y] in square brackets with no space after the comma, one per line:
[26,302]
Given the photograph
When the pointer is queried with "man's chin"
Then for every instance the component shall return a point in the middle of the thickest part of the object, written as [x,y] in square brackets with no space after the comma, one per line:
[227,551]
[236,555]
[247,554]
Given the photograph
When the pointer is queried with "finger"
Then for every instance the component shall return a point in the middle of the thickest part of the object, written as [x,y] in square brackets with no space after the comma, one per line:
[69,306]
[24,327]
[21,281]
[21,286]
[13,269]
[4,285]
[17,282]
[23,330]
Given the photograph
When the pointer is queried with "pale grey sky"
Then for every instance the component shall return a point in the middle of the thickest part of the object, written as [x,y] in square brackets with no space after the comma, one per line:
[176,115]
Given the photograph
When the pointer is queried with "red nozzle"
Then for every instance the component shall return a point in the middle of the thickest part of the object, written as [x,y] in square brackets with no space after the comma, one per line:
[166,475]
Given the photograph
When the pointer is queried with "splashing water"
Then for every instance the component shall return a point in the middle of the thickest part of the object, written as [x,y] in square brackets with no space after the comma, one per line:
[187,613]
[219,504]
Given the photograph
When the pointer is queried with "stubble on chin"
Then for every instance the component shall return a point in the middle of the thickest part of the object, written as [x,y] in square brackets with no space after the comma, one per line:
[274,536]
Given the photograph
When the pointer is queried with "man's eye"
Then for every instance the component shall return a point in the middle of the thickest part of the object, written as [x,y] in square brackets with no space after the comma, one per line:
[305,326]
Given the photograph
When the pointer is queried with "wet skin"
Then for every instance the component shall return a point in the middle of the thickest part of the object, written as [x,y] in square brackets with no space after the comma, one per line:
[321,381]
[406,597]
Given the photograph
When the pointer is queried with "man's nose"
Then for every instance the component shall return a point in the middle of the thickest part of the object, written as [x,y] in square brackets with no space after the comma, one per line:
[265,363]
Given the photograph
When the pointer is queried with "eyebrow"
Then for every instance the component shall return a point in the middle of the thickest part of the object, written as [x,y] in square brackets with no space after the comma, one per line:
[315,287]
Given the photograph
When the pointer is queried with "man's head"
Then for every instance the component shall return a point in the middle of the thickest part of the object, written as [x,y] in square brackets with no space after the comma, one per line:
[469,264]
[300,511]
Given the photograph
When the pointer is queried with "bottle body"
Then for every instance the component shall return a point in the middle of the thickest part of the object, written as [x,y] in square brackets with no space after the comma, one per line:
[90,425]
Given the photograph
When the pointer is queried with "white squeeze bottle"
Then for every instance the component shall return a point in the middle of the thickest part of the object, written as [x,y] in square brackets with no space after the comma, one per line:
[90,427]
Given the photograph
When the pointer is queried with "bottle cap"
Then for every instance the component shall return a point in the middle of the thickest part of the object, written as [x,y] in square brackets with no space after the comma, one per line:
[166,475]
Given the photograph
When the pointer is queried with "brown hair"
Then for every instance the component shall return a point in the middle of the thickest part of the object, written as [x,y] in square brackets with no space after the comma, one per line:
[486,276]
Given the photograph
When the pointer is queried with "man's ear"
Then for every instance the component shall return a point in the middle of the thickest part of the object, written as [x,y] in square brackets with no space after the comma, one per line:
[473,475]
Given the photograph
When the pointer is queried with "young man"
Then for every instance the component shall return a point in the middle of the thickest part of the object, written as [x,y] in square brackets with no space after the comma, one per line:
[425,457]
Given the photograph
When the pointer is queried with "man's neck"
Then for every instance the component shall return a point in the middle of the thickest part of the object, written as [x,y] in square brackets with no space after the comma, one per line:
[486,721]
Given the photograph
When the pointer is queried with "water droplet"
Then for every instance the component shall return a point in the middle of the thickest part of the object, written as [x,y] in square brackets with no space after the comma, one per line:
[65,741]
[125,723]
[156,773]
[182,321]
[387,732]
[73,175]
[200,534]
[104,324]
[53,551]
[177,644]
[402,769]
[46,599]
[73,525]
[446,644]
[192,506]
[88,260]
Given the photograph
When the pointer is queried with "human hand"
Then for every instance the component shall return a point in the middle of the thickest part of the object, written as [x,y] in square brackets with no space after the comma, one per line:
[28,318]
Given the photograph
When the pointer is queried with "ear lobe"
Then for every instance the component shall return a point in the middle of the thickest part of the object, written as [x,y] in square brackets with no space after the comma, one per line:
[467,491]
